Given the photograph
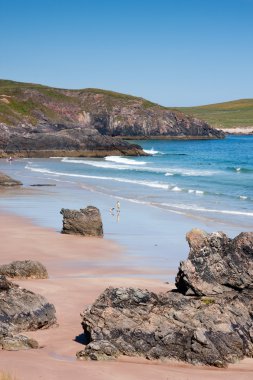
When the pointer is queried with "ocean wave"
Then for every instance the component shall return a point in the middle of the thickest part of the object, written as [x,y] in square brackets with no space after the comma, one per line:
[176,188]
[198,192]
[157,185]
[152,151]
[123,160]
[190,172]
[203,209]
[117,164]
[239,169]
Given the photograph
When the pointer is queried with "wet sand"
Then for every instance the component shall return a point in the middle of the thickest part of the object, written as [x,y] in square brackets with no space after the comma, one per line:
[79,270]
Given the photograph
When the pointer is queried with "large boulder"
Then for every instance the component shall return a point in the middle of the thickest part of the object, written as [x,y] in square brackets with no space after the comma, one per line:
[6,181]
[86,222]
[22,310]
[216,263]
[136,322]
[190,326]
[24,269]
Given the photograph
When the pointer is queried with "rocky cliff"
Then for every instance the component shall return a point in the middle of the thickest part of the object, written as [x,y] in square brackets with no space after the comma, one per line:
[42,121]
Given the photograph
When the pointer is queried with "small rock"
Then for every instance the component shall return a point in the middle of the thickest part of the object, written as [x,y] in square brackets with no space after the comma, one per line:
[86,222]
[18,342]
[24,269]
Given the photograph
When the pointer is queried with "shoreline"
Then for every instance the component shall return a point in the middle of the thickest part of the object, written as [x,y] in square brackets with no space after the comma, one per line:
[241,131]
[21,239]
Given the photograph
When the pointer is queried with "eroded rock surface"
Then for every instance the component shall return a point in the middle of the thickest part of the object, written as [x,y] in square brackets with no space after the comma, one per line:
[86,222]
[18,342]
[24,269]
[216,264]
[6,181]
[214,330]
[22,310]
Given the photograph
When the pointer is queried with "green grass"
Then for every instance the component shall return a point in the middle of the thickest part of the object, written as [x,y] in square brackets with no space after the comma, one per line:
[237,113]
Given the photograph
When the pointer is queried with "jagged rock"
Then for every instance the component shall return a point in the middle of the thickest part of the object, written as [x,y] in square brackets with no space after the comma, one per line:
[70,141]
[18,342]
[22,310]
[86,222]
[216,263]
[5,180]
[212,330]
[24,269]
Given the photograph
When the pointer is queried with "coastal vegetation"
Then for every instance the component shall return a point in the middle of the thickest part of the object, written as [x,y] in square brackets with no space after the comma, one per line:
[236,113]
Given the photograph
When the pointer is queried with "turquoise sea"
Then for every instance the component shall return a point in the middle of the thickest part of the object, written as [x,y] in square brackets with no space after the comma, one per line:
[180,185]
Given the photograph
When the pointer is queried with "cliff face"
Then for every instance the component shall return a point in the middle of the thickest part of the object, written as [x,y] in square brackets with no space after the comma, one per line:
[38,120]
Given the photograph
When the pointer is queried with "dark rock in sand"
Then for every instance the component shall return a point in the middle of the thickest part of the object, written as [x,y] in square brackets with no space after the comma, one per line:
[24,269]
[22,310]
[216,264]
[86,222]
[43,184]
[5,180]
[17,343]
[214,330]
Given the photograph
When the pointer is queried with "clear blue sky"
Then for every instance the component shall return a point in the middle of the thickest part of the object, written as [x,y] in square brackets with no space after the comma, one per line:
[174,52]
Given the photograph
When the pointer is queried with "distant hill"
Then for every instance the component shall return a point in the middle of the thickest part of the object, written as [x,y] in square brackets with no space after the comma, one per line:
[237,113]
[38,120]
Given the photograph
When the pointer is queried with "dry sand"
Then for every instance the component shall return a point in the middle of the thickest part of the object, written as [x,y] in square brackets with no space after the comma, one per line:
[80,269]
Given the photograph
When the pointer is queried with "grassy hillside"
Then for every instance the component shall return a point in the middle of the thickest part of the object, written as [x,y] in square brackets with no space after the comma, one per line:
[237,113]
[24,102]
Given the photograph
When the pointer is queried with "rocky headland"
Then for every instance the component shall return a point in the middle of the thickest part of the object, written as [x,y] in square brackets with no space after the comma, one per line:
[39,121]
[207,320]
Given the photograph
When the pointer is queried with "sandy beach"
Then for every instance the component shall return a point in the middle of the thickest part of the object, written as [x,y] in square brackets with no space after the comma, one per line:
[76,277]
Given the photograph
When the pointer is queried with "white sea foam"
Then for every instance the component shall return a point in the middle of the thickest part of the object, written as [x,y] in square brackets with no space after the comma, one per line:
[203,209]
[176,188]
[123,160]
[238,169]
[157,185]
[121,163]
[243,197]
[151,151]
[189,172]
[199,192]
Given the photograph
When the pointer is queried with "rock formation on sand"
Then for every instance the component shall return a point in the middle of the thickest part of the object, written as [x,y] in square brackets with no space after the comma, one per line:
[39,121]
[86,222]
[5,180]
[216,264]
[214,330]
[22,310]
[24,269]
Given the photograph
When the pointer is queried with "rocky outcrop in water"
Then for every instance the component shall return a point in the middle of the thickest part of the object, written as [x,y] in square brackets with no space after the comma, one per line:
[24,269]
[214,330]
[86,222]
[39,121]
[6,181]
[63,140]
[22,310]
